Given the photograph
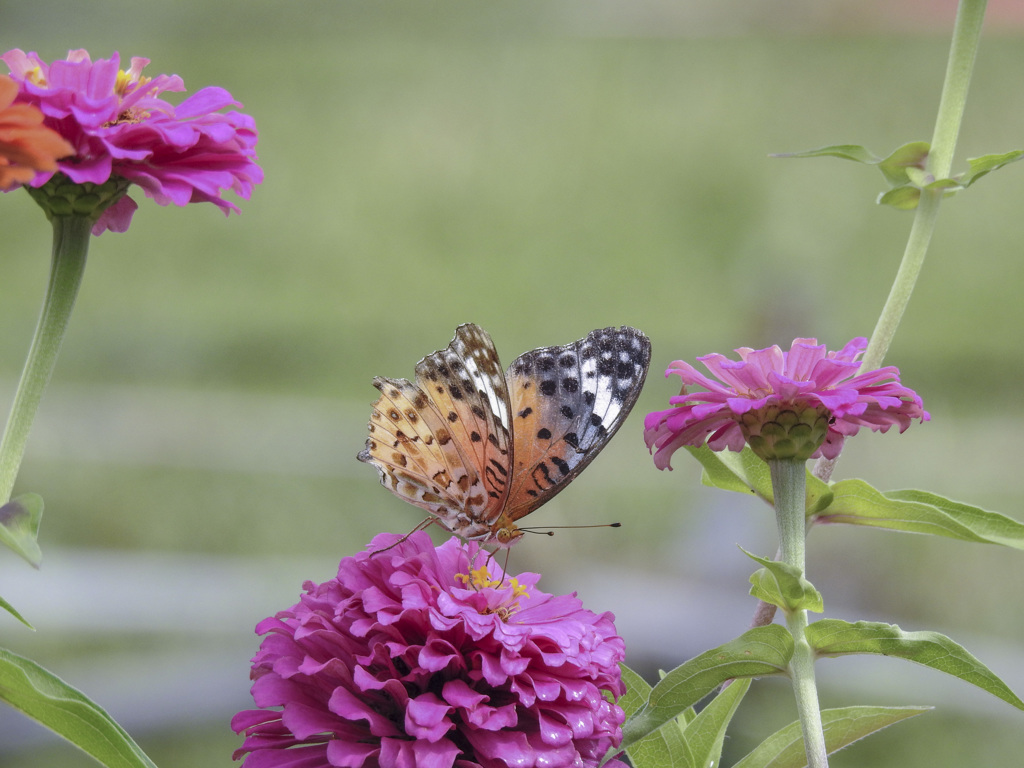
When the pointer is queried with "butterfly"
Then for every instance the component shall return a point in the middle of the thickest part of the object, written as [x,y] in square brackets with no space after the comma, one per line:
[479,448]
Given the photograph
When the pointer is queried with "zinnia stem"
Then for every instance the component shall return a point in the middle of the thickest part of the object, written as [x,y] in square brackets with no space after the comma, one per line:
[70,246]
[962,53]
[789,488]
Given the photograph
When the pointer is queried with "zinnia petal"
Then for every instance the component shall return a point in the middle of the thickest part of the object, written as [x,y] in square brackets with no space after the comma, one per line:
[418,656]
[115,124]
[808,379]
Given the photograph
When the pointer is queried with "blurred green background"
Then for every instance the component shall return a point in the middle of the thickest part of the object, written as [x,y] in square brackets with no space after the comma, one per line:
[542,169]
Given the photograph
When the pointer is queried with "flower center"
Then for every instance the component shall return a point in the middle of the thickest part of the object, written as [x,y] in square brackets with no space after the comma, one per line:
[35,76]
[507,603]
[126,83]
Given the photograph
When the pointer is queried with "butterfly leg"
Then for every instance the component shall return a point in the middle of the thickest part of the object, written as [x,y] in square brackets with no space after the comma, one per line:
[423,525]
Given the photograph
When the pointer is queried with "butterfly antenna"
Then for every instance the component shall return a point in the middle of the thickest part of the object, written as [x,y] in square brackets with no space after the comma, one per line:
[422,526]
[550,530]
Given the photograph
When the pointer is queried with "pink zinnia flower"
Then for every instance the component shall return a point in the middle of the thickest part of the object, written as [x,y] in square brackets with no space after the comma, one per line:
[416,656]
[802,403]
[119,126]
[26,145]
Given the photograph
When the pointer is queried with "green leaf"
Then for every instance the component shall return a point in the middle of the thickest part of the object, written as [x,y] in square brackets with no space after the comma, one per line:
[857,503]
[785,748]
[11,610]
[745,473]
[19,526]
[637,691]
[951,185]
[67,712]
[979,166]
[894,167]
[899,165]
[905,169]
[833,637]
[756,653]
[783,585]
[734,471]
[666,746]
[705,735]
[853,152]
[687,741]
[901,198]
[819,494]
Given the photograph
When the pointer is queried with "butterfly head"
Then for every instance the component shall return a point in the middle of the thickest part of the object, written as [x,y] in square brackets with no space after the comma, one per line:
[504,532]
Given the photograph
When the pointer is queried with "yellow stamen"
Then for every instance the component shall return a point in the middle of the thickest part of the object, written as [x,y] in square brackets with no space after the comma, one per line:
[125,82]
[479,578]
[35,76]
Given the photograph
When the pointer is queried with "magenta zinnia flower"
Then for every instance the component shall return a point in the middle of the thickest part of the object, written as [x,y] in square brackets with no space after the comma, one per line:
[799,404]
[119,127]
[416,656]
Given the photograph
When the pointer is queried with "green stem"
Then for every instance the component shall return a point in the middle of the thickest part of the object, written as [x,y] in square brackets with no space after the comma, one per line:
[789,488]
[70,246]
[962,53]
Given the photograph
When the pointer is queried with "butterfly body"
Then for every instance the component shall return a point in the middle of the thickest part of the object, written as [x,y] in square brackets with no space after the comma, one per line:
[480,448]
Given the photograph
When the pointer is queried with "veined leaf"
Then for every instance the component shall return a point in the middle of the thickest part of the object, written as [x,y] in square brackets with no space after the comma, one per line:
[19,526]
[833,637]
[894,167]
[899,165]
[745,473]
[46,698]
[905,170]
[857,503]
[734,471]
[903,198]
[11,610]
[783,585]
[705,735]
[666,746]
[853,152]
[687,741]
[756,653]
[785,748]
[979,166]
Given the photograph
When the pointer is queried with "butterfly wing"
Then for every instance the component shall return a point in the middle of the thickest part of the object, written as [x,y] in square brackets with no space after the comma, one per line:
[443,443]
[567,402]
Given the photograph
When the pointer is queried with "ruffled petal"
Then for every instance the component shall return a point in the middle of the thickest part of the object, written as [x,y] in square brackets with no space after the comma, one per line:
[115,124]
[424,657]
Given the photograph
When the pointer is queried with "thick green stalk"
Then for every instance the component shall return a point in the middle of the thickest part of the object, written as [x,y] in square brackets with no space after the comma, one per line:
[789,487]
[70,246]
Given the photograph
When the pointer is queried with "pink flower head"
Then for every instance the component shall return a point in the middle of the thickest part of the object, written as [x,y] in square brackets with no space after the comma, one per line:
[819,389]
[416,656]
[119,126]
